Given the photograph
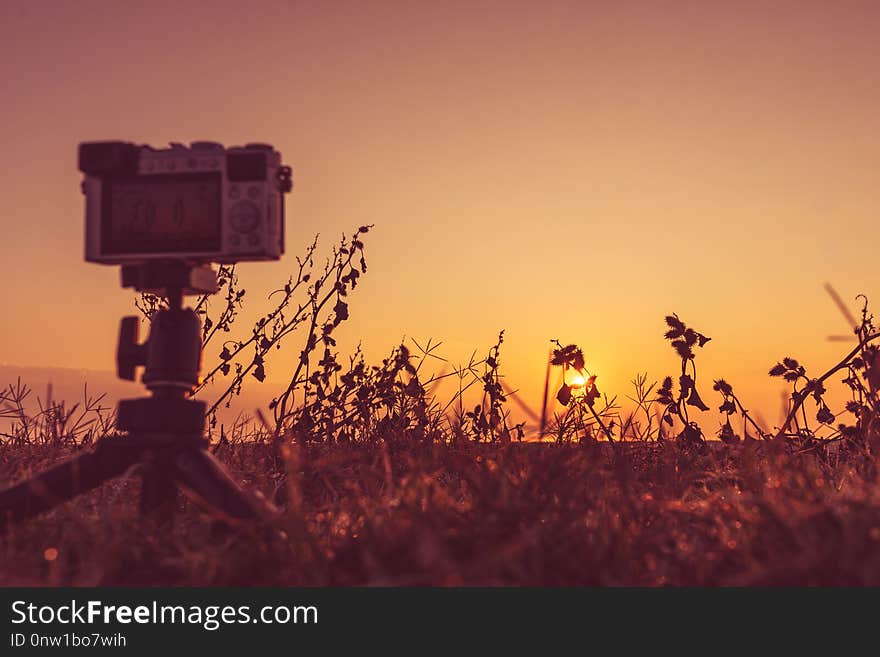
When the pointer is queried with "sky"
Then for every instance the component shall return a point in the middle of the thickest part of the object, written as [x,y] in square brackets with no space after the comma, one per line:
[560,170]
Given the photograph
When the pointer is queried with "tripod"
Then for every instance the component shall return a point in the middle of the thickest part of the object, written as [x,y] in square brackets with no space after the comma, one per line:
[165,430]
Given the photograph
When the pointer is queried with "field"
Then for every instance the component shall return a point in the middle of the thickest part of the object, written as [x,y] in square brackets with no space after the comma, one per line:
[380,480]
[520,514]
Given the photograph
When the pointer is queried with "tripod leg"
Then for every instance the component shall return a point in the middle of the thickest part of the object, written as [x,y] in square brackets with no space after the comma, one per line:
[111,457]
[158,490]
[204,475]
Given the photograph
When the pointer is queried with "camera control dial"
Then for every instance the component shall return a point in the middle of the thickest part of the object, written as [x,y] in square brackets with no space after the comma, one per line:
[244,216]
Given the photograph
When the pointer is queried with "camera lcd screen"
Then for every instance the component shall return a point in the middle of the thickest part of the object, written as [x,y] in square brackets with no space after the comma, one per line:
[168,213]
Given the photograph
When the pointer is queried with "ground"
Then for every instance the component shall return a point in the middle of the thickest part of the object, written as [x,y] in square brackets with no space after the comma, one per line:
[756,513]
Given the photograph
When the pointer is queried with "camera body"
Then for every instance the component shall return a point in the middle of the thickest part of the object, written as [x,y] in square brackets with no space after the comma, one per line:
[200,203]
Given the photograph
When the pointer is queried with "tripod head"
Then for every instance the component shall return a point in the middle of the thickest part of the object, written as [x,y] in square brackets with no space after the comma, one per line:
[172,354]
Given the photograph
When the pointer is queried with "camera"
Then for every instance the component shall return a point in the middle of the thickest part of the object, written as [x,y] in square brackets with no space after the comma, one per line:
[200,203]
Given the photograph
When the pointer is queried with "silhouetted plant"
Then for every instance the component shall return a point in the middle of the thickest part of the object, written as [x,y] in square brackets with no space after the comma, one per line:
[633,427]
[730,406]
[326,402]
[581,420]
[488,419]
[304,301]
[683,340]
[862,370]
[52,422]
[391,402]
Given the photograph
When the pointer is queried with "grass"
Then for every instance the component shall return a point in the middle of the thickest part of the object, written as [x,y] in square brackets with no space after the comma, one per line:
[756,513]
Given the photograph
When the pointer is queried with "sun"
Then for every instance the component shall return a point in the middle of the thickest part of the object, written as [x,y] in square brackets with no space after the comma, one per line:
[576,380]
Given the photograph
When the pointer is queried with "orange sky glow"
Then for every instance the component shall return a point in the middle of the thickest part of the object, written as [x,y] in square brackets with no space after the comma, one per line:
[560,170]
